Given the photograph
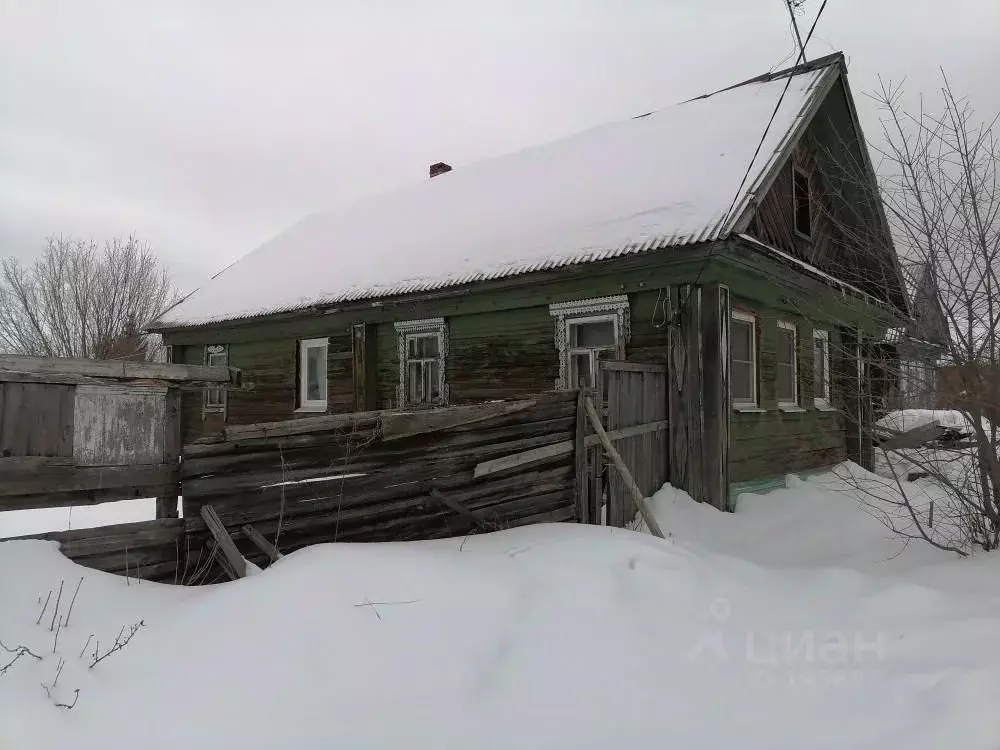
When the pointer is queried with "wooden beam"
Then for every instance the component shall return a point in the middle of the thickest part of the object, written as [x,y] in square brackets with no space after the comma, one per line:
[236,564]
[395,424]
[365,363]
[686,415]
[456,506]
[261,543]
[715,393]
[623,366]
[166,504]
[626,475]
[580,459]
[515,460]
[914,438]
[117,369]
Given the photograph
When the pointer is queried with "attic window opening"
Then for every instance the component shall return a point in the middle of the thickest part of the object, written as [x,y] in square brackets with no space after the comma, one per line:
[801,201]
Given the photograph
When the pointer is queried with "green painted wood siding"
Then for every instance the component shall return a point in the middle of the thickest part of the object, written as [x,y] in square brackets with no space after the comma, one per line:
[775,442]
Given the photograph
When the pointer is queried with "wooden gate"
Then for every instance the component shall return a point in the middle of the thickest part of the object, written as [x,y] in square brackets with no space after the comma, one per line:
[635,394]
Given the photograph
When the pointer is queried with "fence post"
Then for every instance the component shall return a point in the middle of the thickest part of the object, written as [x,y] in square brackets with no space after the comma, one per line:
[166,504]
[580,475]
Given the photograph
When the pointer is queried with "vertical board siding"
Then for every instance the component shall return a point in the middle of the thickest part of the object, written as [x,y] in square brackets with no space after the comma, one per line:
[36,419]
[118,425]
[635,397]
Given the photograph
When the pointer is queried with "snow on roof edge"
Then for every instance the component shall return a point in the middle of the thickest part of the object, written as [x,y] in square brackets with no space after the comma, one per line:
[718,228]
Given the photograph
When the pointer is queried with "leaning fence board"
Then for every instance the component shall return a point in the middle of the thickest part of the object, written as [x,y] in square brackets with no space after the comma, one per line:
[644,510]
[237,565]
[261,543]
[566,446]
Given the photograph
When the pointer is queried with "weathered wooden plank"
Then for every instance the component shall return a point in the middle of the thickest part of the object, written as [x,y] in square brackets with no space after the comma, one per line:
[118,369]
[647,515]
[15,414]
[237,565]
[397,425]
[685,393]
[580,459]
[914,438]
[166,503]
[365,356]
[261,543]
[515,460]
[118,426]
[715,394]
[62,478]
[624,366]
[456,506]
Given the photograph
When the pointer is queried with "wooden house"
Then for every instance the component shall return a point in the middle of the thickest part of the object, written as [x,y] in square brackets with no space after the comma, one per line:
[708,236]
[922,343]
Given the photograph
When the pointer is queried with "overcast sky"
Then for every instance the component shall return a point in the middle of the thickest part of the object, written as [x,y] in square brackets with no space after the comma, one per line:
[208,126]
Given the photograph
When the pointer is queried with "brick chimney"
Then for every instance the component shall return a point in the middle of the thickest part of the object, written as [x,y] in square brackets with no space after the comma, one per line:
[439,168]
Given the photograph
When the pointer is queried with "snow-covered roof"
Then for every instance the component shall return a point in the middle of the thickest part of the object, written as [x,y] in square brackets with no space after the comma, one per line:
[671,177]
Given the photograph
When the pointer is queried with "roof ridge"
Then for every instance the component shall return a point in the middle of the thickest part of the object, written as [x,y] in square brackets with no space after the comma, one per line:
[805,67]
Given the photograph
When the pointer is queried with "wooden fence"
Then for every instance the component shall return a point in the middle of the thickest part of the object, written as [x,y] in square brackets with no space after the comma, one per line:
[77,432]
[153,550]
[369,476]
[381,476]
[636,395]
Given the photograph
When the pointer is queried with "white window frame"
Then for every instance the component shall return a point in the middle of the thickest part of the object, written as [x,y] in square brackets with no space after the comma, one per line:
[594,310]
[784,325]
[319,404]
[797,171]
[406,330]
[822,398]
[214,398]
[739,316]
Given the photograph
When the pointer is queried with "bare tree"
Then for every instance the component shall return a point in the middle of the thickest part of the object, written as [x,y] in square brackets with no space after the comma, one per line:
[77,300]
[939,188]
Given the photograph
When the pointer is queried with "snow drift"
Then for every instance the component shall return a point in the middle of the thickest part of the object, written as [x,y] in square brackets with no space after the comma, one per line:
[793,623]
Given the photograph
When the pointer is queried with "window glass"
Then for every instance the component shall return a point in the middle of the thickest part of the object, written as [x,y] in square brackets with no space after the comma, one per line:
[742,375]
[315,373]
[594,334]
[785,385]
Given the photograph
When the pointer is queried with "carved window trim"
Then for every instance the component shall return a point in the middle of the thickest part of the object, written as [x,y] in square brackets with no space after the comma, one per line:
[615,309]
[822,397]
[407,329]
[785,328]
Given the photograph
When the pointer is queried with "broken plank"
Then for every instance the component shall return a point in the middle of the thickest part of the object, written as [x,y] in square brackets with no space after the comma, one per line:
[455,506]
[236,565]
[261,543]
[914,438]
[626,475]
[557,449]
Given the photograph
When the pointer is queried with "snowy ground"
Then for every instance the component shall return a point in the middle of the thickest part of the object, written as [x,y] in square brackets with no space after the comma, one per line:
[37,521]
[793,623]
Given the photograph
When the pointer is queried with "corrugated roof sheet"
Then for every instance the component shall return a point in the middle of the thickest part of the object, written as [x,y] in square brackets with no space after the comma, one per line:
[667,178]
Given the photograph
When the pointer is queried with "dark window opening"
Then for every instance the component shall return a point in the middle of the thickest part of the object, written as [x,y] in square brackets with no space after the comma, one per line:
[800,198]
